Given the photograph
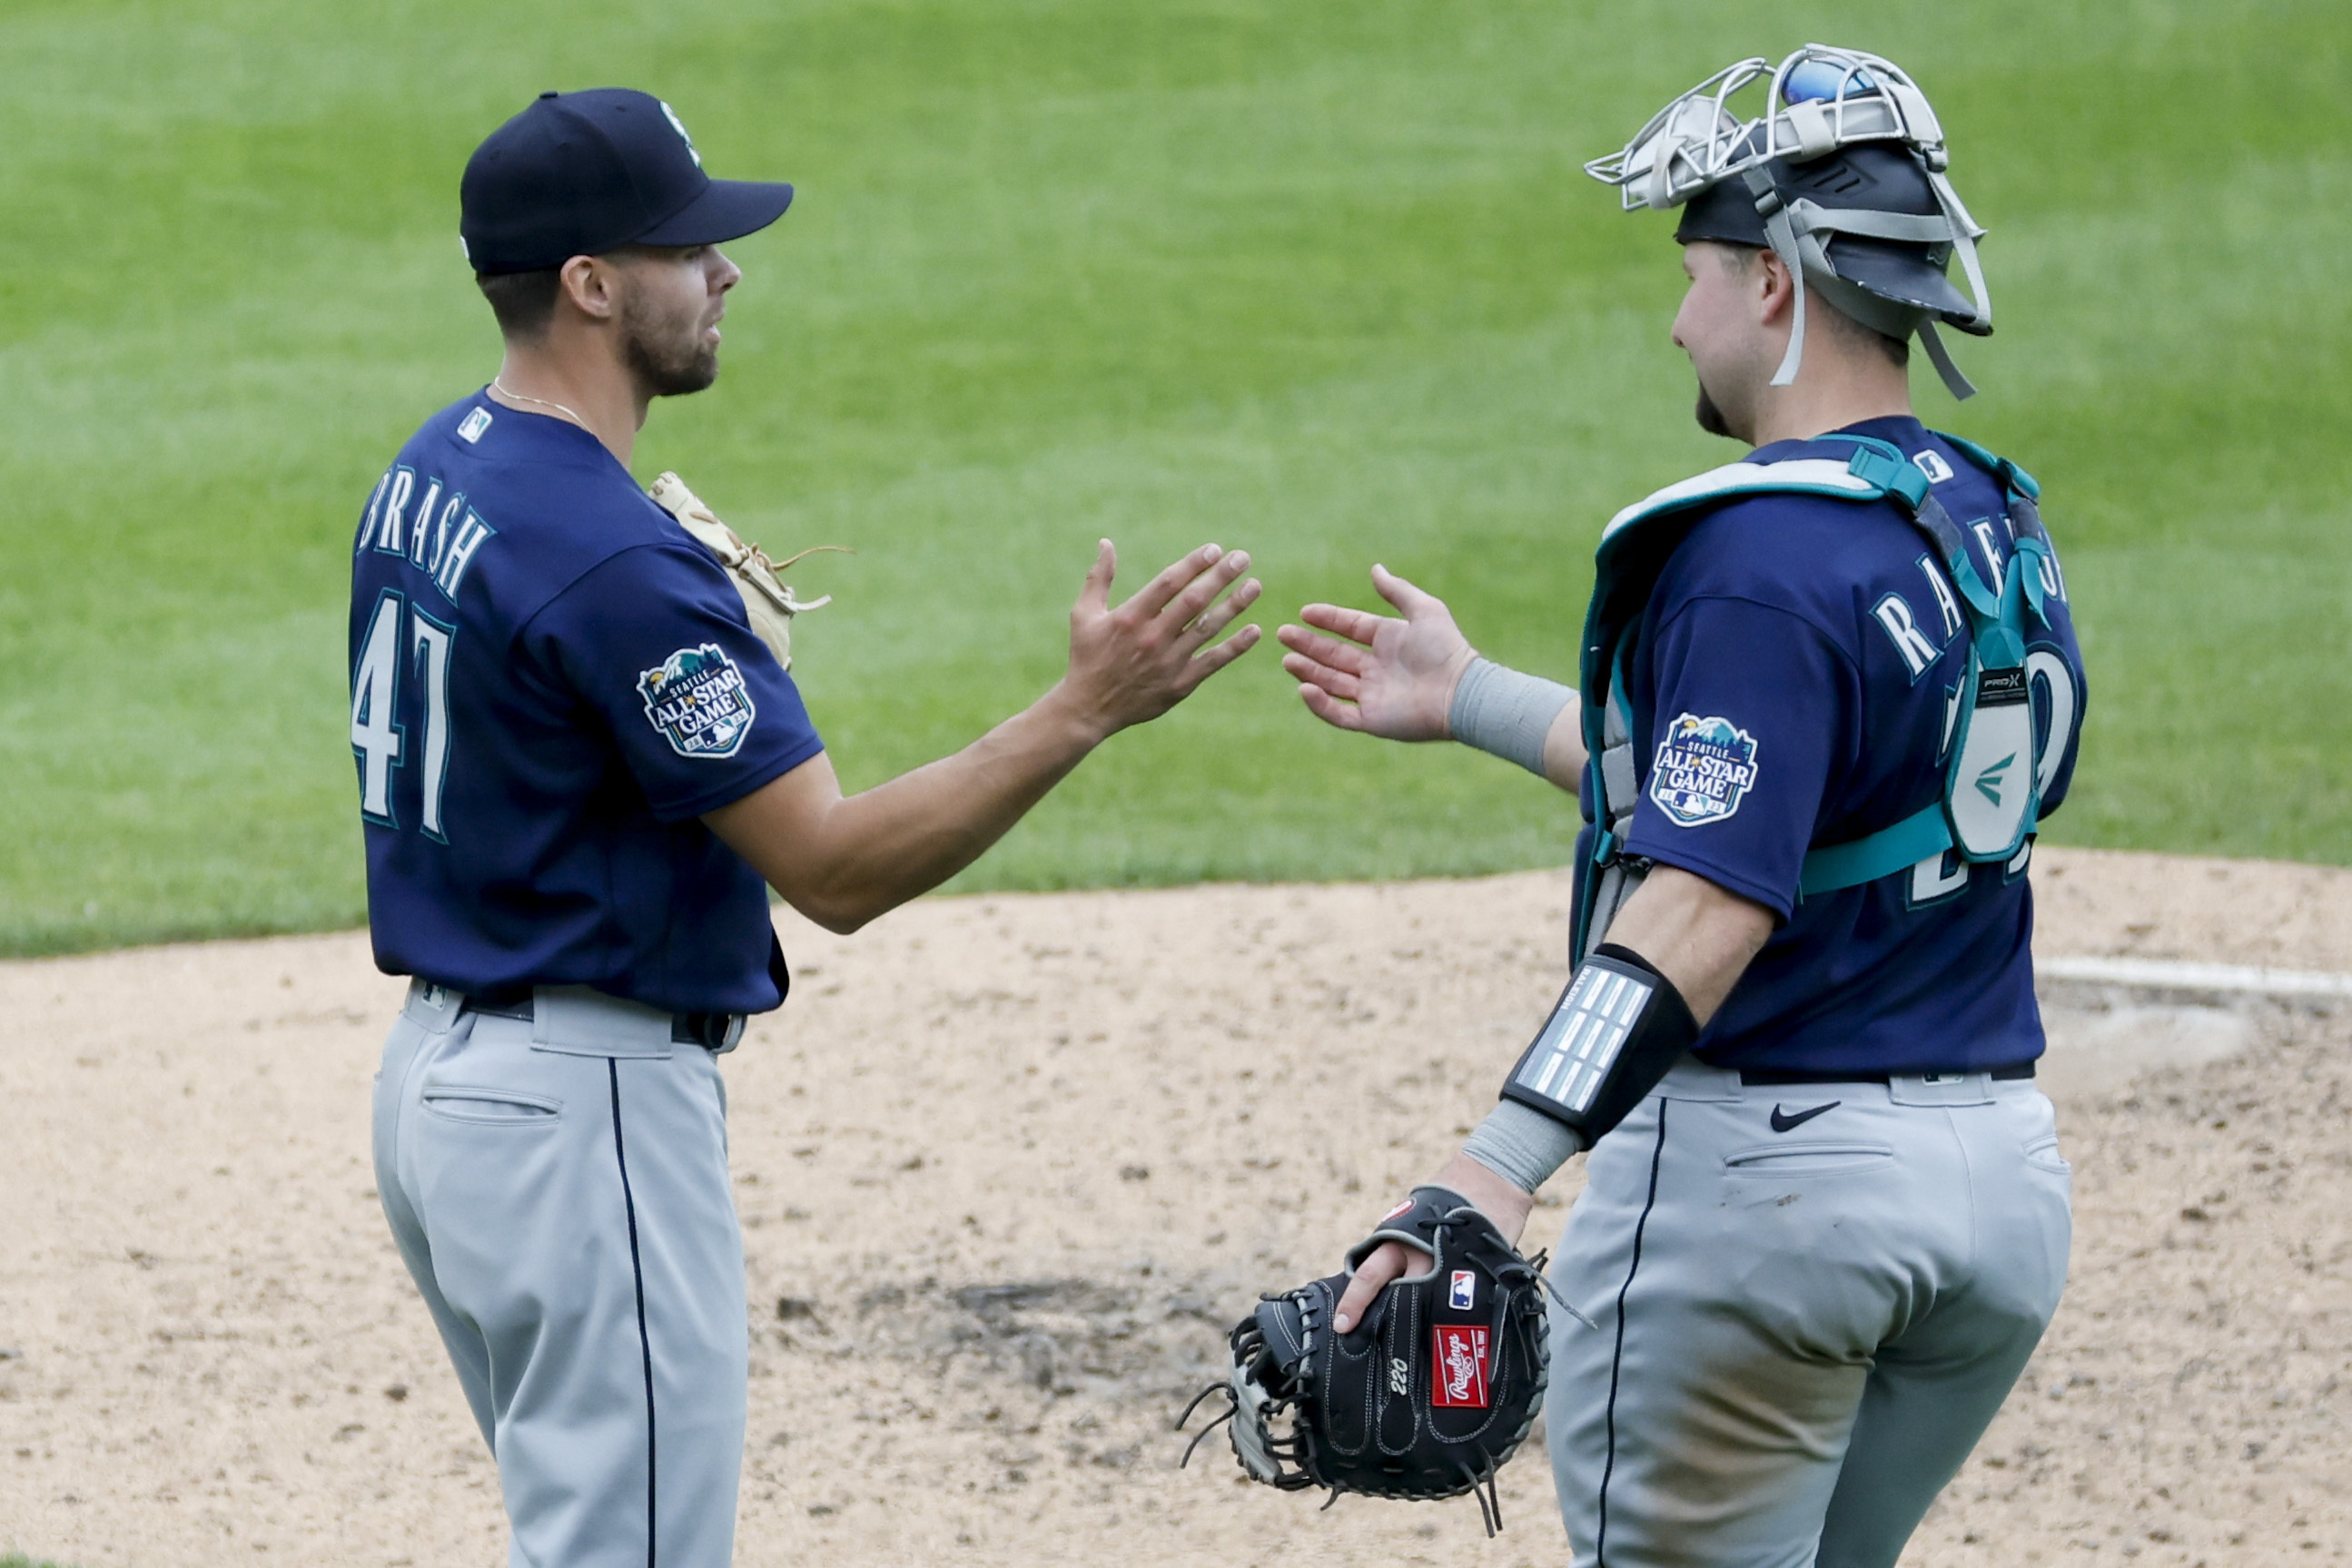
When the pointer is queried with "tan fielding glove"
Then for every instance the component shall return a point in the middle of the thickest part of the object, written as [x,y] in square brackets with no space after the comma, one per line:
[767,602]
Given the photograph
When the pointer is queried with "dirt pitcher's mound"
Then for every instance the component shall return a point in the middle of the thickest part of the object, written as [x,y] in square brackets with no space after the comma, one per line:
[1009,1166]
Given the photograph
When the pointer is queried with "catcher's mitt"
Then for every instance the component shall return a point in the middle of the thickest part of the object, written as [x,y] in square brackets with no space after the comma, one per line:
[768,603]
[1425,1398]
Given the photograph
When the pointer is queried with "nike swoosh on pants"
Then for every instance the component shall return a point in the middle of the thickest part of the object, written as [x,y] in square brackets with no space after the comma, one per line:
[1782,1121]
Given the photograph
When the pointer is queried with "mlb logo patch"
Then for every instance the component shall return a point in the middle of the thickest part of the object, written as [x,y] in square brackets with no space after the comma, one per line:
[1463,1295]
[470,428]
[1458,1367]
[698,700]
[1703,768]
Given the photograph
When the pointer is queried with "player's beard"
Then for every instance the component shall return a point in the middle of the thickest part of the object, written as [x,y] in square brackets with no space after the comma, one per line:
[1710,417]
[666,353]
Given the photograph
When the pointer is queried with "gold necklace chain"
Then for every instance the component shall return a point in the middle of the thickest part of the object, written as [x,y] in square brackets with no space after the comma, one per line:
[499,386]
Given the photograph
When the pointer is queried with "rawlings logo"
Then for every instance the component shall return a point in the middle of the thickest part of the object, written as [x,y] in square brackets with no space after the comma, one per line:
[1393,1213]
[1458,1376]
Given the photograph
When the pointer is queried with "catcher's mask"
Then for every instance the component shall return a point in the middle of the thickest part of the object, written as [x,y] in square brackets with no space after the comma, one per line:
[1843,177]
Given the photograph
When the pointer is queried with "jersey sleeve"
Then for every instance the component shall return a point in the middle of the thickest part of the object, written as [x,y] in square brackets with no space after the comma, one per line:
[1756,718]
[654,639]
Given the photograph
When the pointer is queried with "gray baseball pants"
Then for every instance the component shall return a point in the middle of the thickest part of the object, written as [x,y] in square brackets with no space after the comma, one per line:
[1786,1341]
[557,1188]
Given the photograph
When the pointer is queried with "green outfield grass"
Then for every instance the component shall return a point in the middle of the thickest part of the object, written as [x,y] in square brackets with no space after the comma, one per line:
[1322,279]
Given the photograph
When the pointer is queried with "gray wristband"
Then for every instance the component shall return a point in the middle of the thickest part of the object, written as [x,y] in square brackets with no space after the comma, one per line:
[1522,1145]
[1506,712]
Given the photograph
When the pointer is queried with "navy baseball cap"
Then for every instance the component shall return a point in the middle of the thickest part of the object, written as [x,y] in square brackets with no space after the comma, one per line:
[580,174]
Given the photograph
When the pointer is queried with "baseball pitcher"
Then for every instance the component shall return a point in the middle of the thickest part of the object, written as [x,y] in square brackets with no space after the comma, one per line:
[581,772]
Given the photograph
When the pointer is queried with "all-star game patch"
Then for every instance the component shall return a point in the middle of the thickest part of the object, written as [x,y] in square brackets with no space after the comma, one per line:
[699,701]
[1703,768]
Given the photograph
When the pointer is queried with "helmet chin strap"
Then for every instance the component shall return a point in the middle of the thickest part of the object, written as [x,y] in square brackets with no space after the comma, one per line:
[1956,383]
[1783,238]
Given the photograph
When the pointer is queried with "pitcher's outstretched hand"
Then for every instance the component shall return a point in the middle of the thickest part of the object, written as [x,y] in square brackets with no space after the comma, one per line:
[1133,663]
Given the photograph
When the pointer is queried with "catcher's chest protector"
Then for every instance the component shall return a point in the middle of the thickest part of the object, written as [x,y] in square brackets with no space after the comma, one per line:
[1991,795]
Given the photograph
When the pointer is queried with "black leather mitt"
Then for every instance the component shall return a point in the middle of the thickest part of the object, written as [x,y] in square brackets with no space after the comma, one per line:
[1425,1398]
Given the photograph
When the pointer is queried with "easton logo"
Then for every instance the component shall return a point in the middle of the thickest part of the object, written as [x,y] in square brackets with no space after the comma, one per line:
[1988,782]
[1459,1360]
[696,698]
[1703,768]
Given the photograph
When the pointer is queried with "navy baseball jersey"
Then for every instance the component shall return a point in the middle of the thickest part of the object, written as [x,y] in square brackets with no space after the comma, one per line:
[1794,685]
[551,681]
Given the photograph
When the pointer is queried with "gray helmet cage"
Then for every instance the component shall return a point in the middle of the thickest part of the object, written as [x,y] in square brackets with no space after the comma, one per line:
[1697,142]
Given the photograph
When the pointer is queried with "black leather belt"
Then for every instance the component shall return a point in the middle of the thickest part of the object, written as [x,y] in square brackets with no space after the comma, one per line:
[1768,1079]
[709,1030]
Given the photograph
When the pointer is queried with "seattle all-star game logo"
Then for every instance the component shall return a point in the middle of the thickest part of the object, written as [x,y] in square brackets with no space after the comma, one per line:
[1703,768]
[698,699]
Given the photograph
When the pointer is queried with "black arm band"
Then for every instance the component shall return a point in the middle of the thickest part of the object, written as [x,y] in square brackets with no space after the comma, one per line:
[1618,1028]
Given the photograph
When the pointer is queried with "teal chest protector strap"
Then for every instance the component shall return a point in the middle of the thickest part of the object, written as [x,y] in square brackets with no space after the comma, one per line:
[1993,782]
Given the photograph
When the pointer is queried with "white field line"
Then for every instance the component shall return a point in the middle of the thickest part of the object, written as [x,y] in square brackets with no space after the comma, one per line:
[2172,975]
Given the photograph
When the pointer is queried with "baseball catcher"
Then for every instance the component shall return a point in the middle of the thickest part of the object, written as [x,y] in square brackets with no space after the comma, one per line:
[1825,694]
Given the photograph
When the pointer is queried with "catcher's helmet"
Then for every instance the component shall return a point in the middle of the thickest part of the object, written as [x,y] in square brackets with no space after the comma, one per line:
[1843,177]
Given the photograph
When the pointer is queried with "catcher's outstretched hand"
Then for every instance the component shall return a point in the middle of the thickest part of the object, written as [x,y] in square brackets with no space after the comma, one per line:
[1497,1199]
[1376,674]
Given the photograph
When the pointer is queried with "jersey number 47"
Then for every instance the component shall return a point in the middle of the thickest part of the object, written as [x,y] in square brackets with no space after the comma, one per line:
[403,646]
